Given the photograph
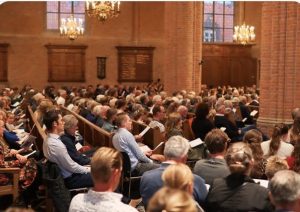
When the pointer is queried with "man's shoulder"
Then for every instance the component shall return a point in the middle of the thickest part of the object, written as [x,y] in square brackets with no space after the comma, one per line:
[152,173]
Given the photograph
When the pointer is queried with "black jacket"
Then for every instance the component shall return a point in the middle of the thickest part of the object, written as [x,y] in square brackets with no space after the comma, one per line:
[201,127]
[231,129]
[69,142]
[237,193]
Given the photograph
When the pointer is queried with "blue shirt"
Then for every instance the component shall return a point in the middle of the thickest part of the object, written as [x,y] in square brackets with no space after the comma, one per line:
[124,141]
[151,182]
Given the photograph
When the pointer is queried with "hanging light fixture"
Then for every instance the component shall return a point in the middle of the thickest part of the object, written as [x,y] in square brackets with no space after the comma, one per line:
[103,10]
[244,33]
[71,27]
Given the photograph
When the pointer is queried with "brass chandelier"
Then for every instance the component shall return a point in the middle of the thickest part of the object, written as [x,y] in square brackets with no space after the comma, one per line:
[71,27]
[103,10]
[244,33]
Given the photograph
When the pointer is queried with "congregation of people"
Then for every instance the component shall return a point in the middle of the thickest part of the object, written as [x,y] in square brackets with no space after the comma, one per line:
[234,166]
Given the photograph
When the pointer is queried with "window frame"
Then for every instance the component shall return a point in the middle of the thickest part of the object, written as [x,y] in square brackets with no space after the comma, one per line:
[59,14]
[213,27]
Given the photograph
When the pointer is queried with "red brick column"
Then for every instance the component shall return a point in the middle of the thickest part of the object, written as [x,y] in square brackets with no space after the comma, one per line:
[183,35]
[280,62]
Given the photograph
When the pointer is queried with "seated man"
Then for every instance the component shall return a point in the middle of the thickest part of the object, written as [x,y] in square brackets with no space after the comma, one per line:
[215,166]
[106,169]
[69,140]
[176,149]
[285,191]
[75,175]
[124,141]
[158,116]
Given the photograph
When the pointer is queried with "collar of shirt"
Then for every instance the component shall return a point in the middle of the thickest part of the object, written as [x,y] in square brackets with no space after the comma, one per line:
[52,135]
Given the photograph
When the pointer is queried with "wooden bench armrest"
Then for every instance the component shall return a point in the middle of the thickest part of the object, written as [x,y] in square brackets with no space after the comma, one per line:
[10,170]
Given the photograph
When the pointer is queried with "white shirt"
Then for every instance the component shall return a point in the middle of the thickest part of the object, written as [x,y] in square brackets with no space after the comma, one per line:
[99,201]
[285,150]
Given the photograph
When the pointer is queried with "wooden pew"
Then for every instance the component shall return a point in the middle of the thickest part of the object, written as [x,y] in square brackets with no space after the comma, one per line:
[152,138]
[13,188]
[92,134]
[37,130]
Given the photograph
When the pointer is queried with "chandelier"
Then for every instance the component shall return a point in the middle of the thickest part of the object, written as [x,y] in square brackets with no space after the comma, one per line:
[244,34]
[71,27]
[103,10]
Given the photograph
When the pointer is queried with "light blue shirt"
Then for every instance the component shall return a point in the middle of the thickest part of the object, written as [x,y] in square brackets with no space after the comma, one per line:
[55,151]
[124,141]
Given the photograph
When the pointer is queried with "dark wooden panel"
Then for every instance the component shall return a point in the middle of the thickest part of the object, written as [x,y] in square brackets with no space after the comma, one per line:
[228,64]
[66,63]
[3,62]
[135,64]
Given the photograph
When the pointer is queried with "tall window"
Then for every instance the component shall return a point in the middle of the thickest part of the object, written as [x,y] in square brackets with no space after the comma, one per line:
[218,21]
[63,9]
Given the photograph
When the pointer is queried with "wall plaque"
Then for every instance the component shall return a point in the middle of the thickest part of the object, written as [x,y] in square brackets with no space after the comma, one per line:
[135,64]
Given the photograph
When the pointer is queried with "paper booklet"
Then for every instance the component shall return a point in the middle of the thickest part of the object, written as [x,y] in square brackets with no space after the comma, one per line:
[253,113]
[196,142]
[144,131]
[245,119]
[78,146]
[31,153]
[145,148]
[16,104]
[223,129]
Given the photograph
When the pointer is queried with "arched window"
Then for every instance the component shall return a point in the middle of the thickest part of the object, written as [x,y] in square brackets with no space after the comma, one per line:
[63,9]
[218,21]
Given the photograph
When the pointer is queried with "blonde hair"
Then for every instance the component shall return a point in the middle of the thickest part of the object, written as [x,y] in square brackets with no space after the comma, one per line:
[239,157]
[103,162]
[171,200]
[275,164]
[178,176]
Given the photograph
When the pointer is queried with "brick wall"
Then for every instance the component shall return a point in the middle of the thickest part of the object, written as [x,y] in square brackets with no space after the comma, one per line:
[183,31]
[280,64]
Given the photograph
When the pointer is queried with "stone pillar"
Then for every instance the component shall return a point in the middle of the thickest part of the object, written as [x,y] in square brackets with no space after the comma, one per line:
[280,63]
[183,52]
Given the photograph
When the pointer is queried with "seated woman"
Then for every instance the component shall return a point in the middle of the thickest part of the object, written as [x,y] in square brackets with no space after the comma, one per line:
[254,139]
[201,125]
[238,192]
[10,158]
[169,199]
[277,145]
[294,160]
[173,125]
[108,124]
[69,140]
[179,176]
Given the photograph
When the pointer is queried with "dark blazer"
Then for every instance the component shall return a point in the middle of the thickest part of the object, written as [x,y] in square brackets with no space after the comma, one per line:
[69,142]
[237,193]
[231,129]
[245,111]
[151,182]
[201,127]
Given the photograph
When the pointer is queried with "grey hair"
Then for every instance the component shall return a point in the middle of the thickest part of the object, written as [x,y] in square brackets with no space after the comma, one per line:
[70,121]
[176,147]
[285,187]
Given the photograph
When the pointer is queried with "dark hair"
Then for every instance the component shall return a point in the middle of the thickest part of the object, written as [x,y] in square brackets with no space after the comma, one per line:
[278,131]
[156,109]
[296,155]
[110,113]
[202,111]
[50,117]
[216,141]
[120,103]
